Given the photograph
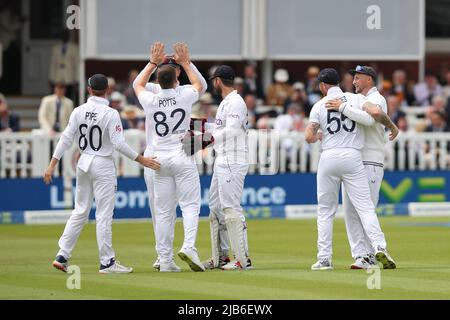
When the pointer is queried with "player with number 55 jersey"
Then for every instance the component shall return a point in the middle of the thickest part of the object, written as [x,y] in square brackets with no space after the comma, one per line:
[340,162]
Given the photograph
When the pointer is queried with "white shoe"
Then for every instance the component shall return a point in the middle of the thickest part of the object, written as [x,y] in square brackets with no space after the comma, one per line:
[233,265]
[382,256]
[190,256]
[324,264]
[362,263]
[156,264]
[115,267]
[169,267]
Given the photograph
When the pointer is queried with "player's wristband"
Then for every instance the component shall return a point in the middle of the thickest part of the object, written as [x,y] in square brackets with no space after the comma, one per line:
[153,63]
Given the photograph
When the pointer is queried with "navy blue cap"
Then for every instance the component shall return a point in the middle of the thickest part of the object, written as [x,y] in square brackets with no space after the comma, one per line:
[170,61]
[223,72]
[98,82]
[364,70]
[329,76]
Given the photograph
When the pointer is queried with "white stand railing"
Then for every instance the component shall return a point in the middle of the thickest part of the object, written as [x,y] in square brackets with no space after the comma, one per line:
[25,155]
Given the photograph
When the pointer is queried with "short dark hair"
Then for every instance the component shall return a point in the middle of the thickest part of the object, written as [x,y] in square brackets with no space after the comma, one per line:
[227,82]
[99,93]
[166,77]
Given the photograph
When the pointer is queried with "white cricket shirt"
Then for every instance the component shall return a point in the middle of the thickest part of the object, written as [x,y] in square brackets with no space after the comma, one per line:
[338,130]
[168,116]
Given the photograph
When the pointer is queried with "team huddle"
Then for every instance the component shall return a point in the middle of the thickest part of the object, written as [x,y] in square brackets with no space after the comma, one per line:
[351,128]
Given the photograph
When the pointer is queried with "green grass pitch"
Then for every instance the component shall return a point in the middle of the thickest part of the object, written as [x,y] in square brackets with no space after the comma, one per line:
[282,253]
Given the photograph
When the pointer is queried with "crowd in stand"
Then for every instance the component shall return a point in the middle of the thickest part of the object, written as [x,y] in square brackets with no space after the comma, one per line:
[284,105]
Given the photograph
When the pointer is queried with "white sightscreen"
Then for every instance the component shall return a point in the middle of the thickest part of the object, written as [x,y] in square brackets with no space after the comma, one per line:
[211,28]
[339,29]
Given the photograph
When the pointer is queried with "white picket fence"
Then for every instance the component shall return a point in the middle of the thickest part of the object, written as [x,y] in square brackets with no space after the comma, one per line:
[25,155]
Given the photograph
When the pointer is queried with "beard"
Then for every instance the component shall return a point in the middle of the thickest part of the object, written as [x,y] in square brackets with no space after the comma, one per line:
[217,90]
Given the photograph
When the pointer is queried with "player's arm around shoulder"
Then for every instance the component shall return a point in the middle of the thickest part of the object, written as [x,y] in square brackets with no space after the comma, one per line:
[350,105]
[376,106]
[377,112]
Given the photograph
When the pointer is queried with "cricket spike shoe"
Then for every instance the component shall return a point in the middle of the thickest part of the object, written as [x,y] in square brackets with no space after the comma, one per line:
[209,264]
[362,263]
[386,260]
[323,264]
[60,263]
[169,267]
[190,256]
[114,267]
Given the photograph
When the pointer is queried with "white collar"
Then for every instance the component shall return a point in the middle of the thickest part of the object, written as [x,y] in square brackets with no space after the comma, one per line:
[373,90]
[335,92]
[230,95]
[99,100]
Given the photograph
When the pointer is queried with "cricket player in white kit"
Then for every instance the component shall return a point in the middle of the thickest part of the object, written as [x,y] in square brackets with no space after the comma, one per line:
[340,161]
[229,134]
[169,112]
[373,159]
[97,130]
[149,173]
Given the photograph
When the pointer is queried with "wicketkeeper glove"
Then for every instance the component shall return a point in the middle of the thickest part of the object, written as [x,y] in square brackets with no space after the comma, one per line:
[192,143]
[198,124]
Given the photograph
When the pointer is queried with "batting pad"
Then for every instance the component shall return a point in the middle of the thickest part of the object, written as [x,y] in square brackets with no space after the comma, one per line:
[235,229]
[214,229]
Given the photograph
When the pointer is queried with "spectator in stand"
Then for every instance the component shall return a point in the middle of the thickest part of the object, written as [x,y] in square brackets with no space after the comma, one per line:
[438,103]
[116,102]
[134,117]
[401,88]
[397,116]
[299,97]
[263,122]
[55,110]
[64,65]
[129,91]
[252,84]
[446,88]
[312,87]
[9,121]
[425,91]
[111,87]
[438,122]
[250,101]
[239,86]
[281,90]
[347,83]
[292,121]
[205,108]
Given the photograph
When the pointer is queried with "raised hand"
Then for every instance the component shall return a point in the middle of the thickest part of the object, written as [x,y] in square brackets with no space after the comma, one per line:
[157,55]
[181,55]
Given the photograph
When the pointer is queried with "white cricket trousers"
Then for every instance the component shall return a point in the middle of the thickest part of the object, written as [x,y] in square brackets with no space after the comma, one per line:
[360,244]
[178,178]
[99,182]
[149,176]
[227,187]
[336,166]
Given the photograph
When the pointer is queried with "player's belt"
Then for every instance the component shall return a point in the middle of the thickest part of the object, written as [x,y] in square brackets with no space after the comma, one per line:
[376,164]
